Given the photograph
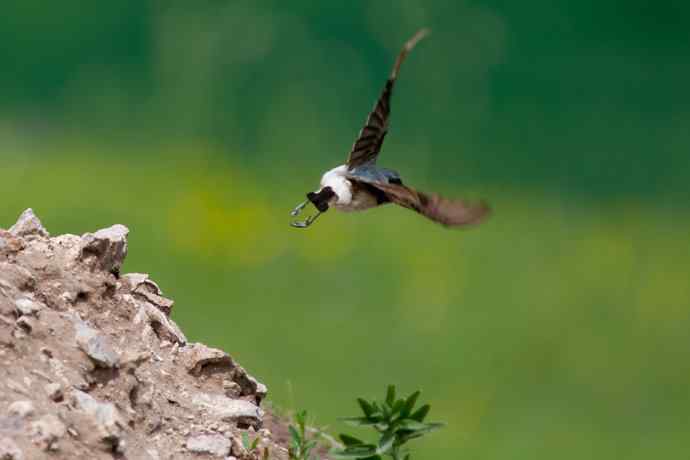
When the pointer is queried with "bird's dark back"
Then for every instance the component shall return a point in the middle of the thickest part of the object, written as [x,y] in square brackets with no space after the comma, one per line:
[373,174]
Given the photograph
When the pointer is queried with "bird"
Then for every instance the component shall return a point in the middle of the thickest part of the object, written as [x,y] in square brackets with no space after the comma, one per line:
[360,184]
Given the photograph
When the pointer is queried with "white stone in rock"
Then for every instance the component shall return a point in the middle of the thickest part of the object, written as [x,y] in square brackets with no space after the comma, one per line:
[96,345]
[235,410]
[105,415]
[47,431]
[27,306]
[214,444]
[54,391]
[21,409]
[9,450]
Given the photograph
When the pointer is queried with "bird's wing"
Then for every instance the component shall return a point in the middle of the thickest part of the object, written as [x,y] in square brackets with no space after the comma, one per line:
[368,143]
[451,213]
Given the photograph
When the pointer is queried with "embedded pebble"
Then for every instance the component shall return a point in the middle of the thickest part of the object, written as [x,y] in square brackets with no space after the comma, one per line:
[47,431]
[54,391]
[214,444]
[96,345]
[105,416]
[229,410]
[9,450]
[21,409]
[27,306]
[232,389]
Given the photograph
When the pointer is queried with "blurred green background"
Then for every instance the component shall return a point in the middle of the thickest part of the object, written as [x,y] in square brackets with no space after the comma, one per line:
[559,329]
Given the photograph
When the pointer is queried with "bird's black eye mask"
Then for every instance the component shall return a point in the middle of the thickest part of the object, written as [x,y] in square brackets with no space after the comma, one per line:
[320,200]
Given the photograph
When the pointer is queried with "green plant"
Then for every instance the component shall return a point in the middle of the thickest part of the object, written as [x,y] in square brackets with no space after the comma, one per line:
[301,444]
[396,421]
[253,447]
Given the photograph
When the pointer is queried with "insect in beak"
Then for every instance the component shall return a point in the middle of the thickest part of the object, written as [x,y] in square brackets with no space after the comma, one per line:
[303,223]
[298,208]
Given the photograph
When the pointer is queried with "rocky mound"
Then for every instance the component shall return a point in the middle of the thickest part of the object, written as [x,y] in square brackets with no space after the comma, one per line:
[92,366]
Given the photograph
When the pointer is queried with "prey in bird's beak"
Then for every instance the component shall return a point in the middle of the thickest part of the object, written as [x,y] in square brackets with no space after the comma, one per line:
[302,223]
[319,199]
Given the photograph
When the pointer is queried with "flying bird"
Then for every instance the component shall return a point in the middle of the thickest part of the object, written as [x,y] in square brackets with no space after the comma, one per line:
[360,184]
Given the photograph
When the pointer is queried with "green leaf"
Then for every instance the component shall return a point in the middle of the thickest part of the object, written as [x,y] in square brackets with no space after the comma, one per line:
[409,404]
[397,407]
[350,440]
[376,406]
[301,418]
[381,427]
[386,412]
[405,435]
[360,451]
[309,445]
[433,426]
[421,413]
[359,421]
[386,442]
[412,425]
[390,395]
[367,408]
[294,434]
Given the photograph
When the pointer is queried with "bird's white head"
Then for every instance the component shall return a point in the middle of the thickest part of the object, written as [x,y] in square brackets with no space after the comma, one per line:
[335,188]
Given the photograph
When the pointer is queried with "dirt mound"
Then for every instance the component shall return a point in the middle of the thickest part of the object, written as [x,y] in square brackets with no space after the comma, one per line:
[92,366]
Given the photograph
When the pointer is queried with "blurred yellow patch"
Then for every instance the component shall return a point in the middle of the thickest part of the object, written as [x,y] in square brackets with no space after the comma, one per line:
[223,218]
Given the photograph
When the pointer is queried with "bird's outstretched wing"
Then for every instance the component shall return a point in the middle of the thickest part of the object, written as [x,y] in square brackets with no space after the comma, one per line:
[451,213]
[368,143]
